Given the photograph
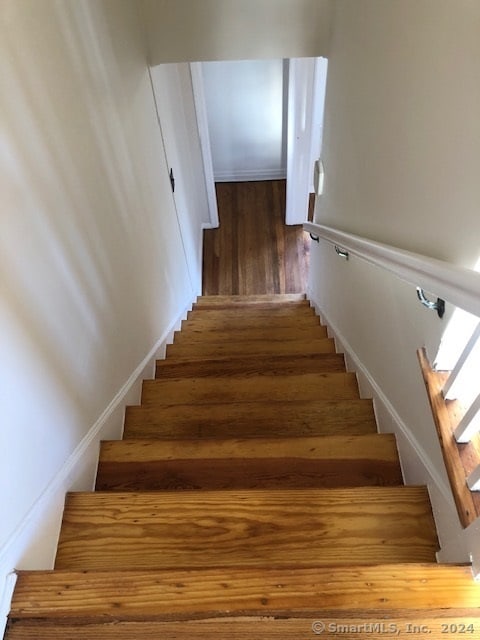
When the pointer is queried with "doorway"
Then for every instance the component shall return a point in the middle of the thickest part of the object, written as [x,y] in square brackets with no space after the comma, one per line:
[265,121]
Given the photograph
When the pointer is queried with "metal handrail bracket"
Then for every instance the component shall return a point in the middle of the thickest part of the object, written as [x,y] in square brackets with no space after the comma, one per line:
[341,252]
[438,306]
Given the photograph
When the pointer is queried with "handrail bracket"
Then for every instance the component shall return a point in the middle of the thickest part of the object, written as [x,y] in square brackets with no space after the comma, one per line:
[438,306]
[341,252]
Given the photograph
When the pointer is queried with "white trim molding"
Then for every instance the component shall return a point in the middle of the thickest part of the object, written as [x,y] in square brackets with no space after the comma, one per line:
[6,594]
[204,136]
[469,542]
[301,94]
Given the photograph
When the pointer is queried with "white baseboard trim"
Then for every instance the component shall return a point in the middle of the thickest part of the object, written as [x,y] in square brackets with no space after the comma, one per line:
[23,549]
[369,388]
[6,597]
[466,545]
[204,226]
[250,175]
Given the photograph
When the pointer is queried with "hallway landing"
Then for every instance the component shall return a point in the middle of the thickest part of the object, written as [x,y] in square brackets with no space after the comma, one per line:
[253,251]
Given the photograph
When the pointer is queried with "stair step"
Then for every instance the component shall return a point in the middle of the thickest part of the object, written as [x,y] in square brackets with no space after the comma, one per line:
[208,321]
[264,333]
[329,461]
[198,350]
[296,527]
[254,388]
[257,301]
[253,312]
[423,625]
[302,309]
[307,593]
[259,502]
[251,419]
[236,365]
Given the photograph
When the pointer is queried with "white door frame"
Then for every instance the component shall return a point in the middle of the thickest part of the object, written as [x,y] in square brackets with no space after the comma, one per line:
[306,89]
[202,124]
[306,96]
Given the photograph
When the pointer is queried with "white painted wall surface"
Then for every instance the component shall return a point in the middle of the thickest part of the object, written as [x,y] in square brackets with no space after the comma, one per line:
[192,30]
[174,97]
[246,108]
[93,274]
[378,323]
[401,153]
[402,133]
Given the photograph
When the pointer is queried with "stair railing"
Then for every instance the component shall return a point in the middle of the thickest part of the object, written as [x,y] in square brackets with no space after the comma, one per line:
[460,287]
[455,284]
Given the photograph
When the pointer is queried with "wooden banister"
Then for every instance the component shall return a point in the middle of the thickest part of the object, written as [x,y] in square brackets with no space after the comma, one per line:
[460,459]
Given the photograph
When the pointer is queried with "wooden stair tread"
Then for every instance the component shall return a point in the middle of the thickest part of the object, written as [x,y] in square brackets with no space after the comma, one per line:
[249,316]
[264,333]
[265,591]
[302,447]
[251,419]
[257,348]
[255,300]
[254,311]
[329,461]
[241,364]
[424,626]
[366,525]
[238,322]
[259,499]
[254,388]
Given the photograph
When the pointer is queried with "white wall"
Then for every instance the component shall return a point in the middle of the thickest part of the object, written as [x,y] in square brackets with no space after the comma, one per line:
[93,270]
[401,152]
[402,133]
[191,30]
[246,109]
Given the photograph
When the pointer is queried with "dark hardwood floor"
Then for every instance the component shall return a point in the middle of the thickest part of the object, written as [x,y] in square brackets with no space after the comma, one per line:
[253,251]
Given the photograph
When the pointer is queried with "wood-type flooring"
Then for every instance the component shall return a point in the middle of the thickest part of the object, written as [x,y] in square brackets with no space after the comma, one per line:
[253,251]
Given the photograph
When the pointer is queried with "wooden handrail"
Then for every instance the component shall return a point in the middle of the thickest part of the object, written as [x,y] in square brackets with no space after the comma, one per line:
[458,285]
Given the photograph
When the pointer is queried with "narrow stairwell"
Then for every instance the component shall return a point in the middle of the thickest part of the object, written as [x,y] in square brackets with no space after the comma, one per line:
[251,496]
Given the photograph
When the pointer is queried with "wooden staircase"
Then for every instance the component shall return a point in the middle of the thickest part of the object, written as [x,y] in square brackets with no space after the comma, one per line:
[251,496]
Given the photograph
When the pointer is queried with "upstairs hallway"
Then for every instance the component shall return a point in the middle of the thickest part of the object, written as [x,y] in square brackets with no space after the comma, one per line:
[254,252]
